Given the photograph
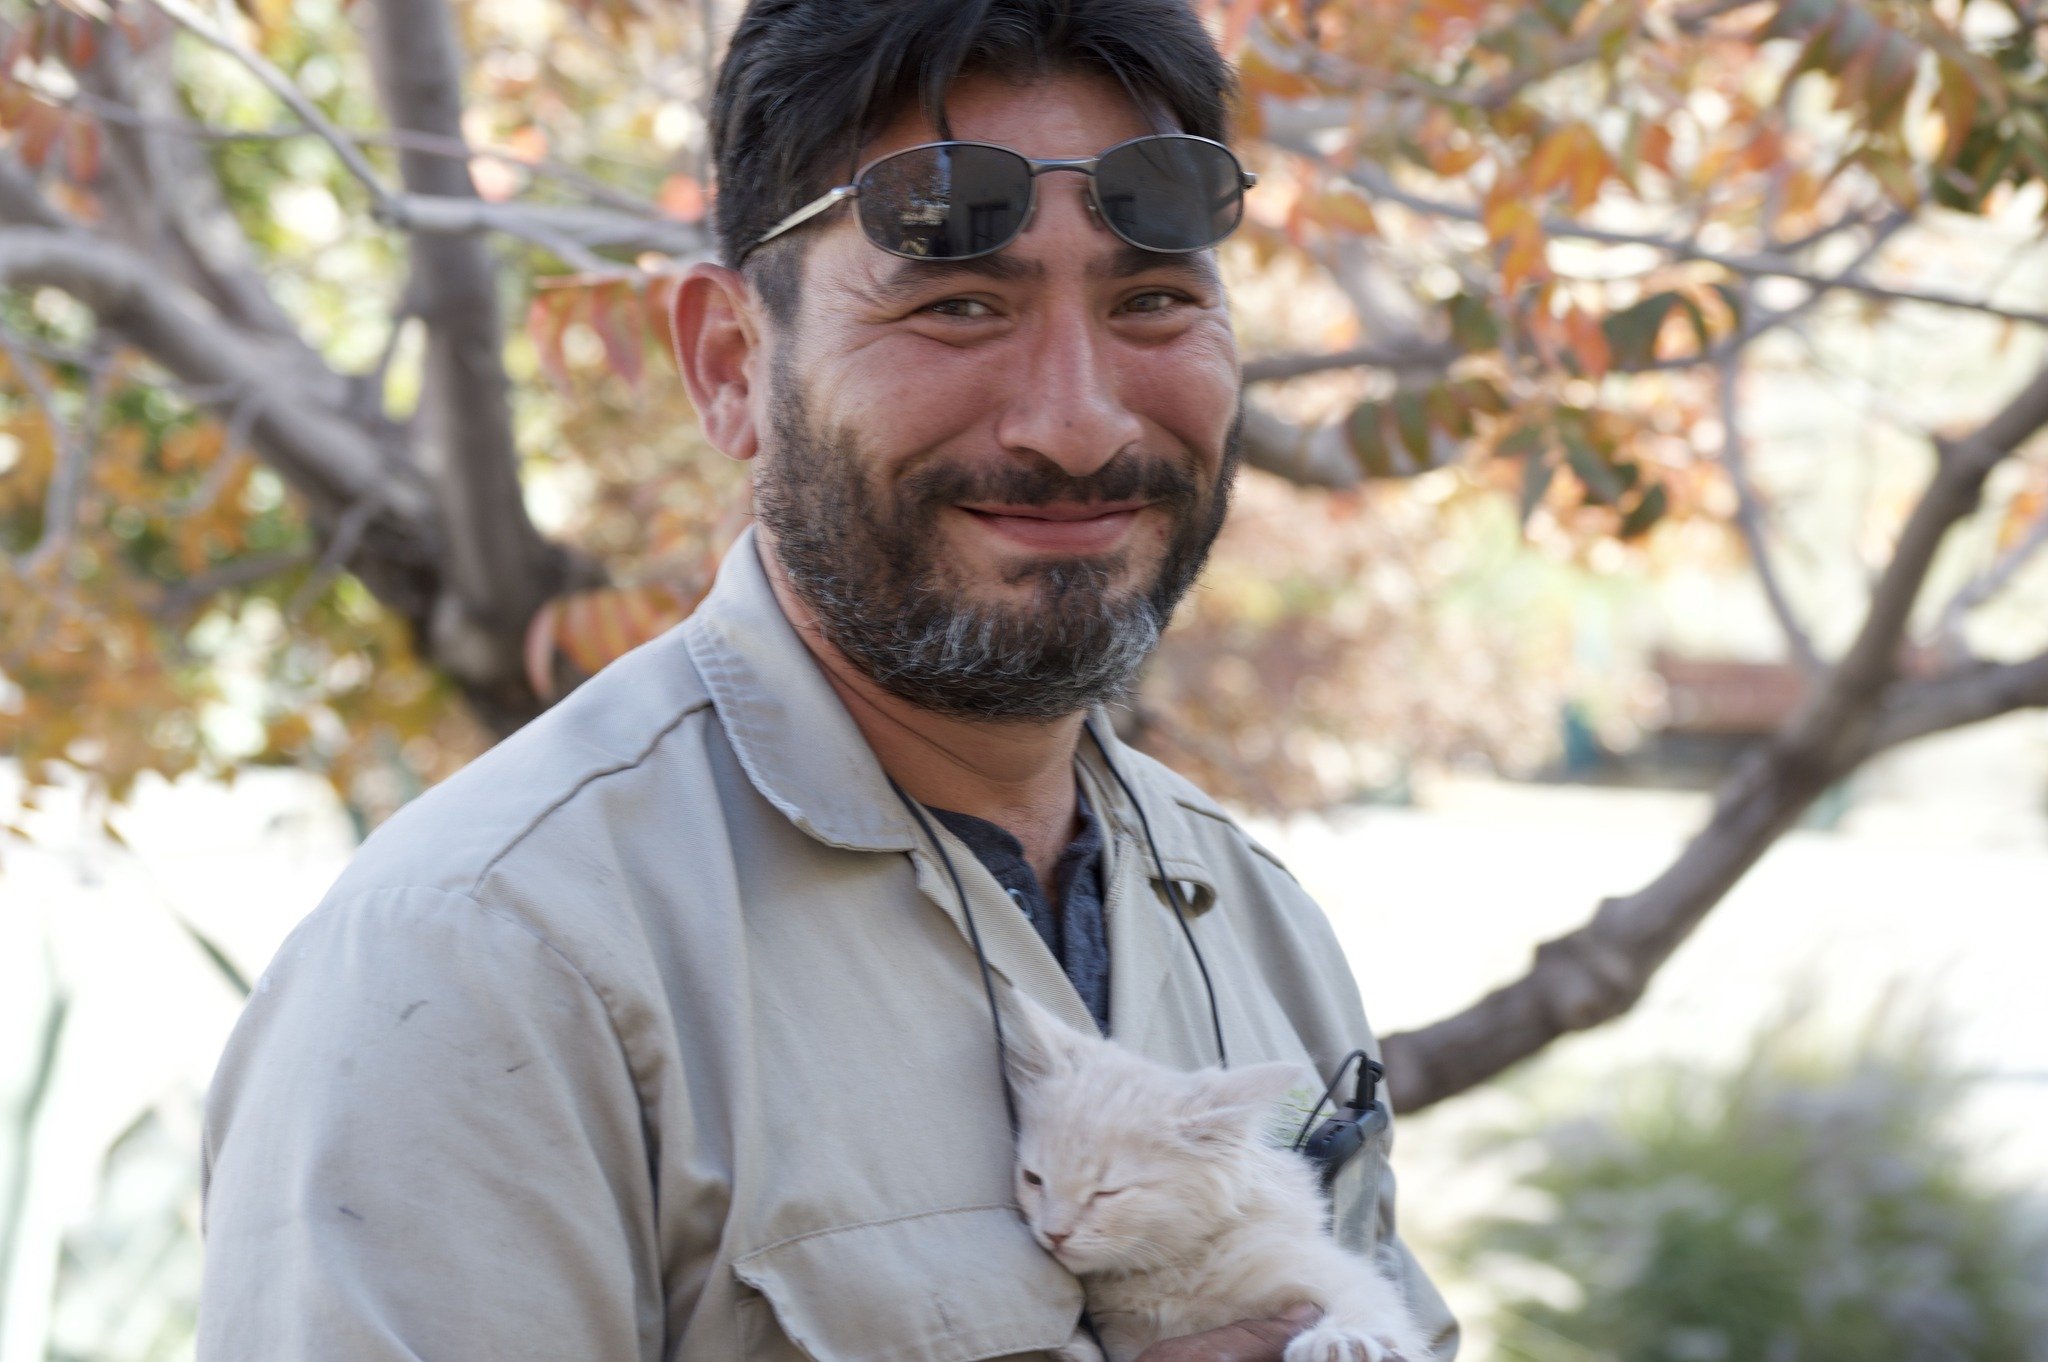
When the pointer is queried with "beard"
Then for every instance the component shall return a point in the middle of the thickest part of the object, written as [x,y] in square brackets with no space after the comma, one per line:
[870,566]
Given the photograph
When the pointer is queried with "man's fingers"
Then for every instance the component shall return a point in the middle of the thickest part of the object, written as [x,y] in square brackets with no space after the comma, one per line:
[1248,1340]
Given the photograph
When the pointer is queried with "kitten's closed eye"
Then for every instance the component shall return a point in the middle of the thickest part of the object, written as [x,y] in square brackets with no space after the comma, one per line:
[1033,1179]
[1108,1191]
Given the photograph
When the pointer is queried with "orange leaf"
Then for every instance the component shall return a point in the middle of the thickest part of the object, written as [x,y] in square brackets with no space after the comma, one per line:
[594,628]
[1341,209]
[1656,146]
[2020,515]
[682,198]
[81,43]
[1588,343]
[612,316]
[82,149]
[547,317]
[39,130]
[1237,24]
[1524,258]
[528,144]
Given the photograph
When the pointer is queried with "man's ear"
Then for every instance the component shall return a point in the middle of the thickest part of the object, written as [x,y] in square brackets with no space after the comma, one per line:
[718,344]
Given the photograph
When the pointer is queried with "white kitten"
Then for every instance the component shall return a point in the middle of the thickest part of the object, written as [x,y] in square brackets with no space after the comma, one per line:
[1159,1191]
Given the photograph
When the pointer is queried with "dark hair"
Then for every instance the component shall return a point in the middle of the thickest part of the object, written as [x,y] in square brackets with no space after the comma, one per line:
[806,82]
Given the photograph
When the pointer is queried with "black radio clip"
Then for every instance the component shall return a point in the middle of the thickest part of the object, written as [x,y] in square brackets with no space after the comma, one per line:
[1352,1125]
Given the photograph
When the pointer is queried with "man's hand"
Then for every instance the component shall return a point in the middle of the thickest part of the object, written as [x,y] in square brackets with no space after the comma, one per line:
[1248,1340]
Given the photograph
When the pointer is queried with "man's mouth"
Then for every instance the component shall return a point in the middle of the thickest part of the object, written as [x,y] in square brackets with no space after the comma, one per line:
[1059,527]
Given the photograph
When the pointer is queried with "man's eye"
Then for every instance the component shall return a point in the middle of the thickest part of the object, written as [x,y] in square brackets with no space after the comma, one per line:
[971,309]
[1153,300]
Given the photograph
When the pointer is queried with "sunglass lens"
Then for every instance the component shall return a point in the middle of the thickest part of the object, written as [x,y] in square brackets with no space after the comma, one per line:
[946,201]
[1171,193]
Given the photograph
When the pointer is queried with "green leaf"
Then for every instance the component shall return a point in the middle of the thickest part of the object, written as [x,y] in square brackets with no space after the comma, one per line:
[1473,324]
[1537,472]
[1632,332]
[1411,419]
[1367,429]
[1648,510]
[1448,412]
[1604,486]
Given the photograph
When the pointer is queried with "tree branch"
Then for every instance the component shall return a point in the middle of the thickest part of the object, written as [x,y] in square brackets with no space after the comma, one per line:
[498,568]
[1278,368]
[1598,971]
[1967,696]
[551,225]
[1317,457]
[329,462]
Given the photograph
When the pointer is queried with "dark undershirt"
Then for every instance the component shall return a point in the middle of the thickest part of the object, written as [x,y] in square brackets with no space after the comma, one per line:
[1073,930]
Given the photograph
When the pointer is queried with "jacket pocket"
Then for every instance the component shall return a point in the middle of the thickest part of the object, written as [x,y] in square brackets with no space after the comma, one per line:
[941,1286]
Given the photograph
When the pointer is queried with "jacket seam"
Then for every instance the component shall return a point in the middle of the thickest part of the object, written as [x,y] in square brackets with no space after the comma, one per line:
[588,779]
[540,939]
[872,1224]
[1249,843]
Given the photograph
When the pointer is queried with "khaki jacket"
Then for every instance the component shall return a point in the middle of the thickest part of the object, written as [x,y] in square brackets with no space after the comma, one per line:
[655,1034]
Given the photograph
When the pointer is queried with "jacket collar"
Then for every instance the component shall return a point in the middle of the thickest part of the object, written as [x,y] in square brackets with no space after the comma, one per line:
[792,735]
[803,752]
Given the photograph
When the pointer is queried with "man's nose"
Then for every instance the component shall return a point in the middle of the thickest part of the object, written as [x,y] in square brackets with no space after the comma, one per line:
[1066,406]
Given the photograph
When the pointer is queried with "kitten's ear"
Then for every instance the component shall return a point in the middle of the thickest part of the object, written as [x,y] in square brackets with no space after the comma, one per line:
[1039,1044]
[1232,1103]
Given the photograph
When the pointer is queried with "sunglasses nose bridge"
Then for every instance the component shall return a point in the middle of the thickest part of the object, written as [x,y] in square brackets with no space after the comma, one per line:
[1079,166]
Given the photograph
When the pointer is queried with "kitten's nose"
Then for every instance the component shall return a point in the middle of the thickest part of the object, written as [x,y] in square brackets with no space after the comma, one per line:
[1057,1239]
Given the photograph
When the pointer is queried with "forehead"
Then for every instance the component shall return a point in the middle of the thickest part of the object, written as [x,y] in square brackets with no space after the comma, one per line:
[1066,114]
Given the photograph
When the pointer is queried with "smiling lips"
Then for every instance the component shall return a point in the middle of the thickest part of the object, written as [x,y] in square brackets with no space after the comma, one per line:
[1060,527]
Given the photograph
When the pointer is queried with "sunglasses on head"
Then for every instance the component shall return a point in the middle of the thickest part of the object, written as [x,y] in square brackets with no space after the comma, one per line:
[1168,192]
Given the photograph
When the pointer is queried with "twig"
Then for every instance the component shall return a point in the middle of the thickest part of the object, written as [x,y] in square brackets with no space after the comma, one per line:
[113,111]
[71,449]
[1378,183]
[1948,632]
[180,599]
[1277,368]
[235,452]
[348,537]
[569,231]
[1749,518]
[281,85]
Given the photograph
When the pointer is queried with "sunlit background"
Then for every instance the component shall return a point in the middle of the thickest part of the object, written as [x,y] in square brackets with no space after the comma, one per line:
[1611,362]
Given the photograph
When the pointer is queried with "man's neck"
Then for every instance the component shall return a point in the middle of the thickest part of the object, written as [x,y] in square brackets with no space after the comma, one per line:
[1016,774]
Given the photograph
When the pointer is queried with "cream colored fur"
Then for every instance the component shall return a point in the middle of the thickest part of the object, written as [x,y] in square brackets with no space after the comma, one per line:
[1176,1213]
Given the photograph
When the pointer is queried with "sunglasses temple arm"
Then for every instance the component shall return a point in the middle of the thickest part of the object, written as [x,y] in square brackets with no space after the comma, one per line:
[805,214]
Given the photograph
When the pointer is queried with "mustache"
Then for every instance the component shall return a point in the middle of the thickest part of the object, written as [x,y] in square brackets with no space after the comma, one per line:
[1127,477]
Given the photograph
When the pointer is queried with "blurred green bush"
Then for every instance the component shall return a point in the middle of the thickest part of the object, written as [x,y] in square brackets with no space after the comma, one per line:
[1814,1205]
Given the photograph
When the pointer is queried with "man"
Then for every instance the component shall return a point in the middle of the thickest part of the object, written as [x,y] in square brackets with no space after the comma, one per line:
[664,1030]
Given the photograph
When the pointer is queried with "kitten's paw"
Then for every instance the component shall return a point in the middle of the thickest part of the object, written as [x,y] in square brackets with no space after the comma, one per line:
[1079,1348]
[1334,1343]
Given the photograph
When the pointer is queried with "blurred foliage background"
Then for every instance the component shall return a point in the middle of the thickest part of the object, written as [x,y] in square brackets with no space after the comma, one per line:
[1815,1201]
[1639,392]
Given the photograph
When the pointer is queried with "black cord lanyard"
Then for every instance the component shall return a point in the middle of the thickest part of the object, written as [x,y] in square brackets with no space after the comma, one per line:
[988,985]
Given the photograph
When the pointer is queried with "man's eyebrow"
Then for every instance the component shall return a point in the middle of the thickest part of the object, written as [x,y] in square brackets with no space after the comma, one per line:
[912,277]
[1132,260]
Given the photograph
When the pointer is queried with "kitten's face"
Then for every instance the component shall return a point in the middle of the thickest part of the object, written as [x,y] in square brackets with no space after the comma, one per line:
[1122,1163]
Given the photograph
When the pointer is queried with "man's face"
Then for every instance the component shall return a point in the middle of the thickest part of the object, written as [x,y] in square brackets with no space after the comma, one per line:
[991,480]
